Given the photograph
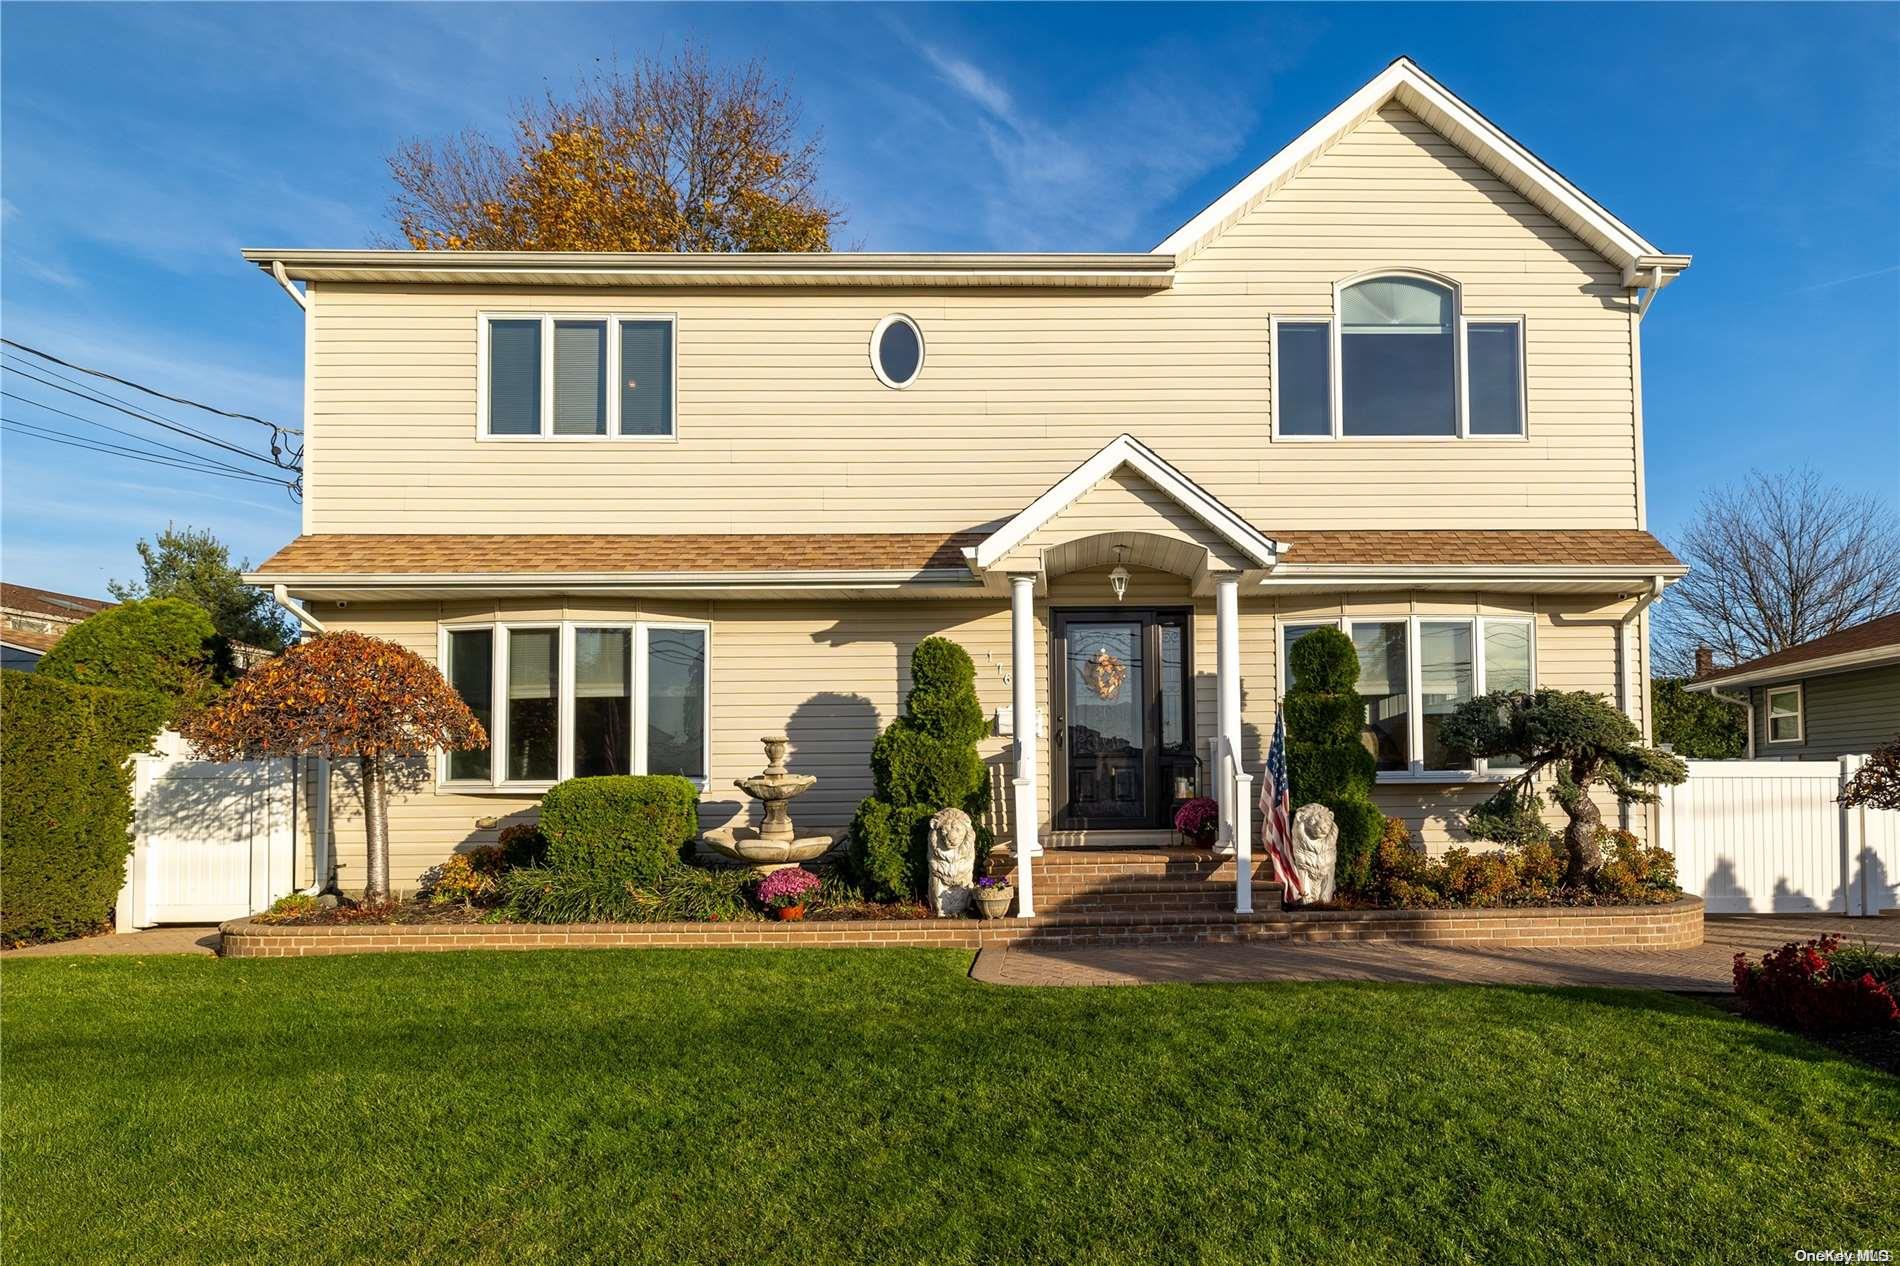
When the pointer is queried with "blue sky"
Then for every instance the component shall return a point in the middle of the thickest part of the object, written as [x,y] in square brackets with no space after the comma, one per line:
[143,145]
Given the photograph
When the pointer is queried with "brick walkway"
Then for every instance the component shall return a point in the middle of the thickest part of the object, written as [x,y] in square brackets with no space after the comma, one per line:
[168,940]
[1706,967]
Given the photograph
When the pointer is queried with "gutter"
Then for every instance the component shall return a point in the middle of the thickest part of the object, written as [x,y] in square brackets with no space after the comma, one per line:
[1847,661]
[1747,705]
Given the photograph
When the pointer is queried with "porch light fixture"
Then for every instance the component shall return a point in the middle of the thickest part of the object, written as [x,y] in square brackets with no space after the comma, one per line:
[1118,579]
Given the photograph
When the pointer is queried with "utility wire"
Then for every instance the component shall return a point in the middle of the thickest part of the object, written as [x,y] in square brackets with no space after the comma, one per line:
[151,391]
[155,420]
[73,441]
[197,457]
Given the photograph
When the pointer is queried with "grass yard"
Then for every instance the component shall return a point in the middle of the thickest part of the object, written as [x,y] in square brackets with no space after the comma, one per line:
[813,1106]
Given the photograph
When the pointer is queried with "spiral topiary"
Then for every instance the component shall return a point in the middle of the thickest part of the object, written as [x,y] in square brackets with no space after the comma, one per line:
[1326,762]
[925,761]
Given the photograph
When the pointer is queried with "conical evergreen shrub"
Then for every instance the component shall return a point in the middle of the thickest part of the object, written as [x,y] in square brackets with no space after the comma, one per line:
[925,761]
[1326,762]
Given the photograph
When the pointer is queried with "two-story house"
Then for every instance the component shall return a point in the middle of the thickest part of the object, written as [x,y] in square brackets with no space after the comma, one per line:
[643,510]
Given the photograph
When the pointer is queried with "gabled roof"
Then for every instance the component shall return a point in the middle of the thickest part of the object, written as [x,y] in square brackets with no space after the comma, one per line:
[1865,645]
[1403,82]
[1126,450]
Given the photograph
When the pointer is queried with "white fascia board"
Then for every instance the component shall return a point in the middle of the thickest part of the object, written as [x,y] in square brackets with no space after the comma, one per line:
[1126,450]
[1848,661]
[1413,88]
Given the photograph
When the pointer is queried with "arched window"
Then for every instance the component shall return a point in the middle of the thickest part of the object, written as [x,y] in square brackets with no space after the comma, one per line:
[1399,360]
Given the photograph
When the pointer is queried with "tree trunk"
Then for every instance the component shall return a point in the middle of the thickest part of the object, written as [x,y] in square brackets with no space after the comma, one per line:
[1580,836]
[376,827]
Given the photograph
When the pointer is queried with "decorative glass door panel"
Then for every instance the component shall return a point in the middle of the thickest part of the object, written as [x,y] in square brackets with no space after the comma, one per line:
[1124,704]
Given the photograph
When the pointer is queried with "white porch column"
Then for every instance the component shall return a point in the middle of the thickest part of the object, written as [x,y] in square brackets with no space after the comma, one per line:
[1227,644]
[1022,680]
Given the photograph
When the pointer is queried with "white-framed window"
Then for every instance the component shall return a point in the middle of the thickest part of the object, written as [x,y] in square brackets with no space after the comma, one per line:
[579,698]
[1399,358]
[1786,721]
[576,376]
[1414,671]
[897,351]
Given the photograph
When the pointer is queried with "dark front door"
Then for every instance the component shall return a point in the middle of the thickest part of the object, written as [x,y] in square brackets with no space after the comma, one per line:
[1124,717]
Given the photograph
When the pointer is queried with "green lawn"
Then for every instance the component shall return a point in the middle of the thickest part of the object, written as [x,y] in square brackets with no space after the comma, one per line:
[753,1106]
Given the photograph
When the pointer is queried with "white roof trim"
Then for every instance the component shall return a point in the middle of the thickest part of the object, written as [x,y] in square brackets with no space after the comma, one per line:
[1126,450]
[1795,670]
[1424,96]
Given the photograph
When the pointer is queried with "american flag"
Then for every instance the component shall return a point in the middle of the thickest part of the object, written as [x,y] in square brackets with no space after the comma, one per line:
[1276,808]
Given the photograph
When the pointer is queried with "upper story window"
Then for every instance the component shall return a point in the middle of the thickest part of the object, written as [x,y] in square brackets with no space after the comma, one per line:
[1399,360]
[576,377]
[897,351]
[578,699]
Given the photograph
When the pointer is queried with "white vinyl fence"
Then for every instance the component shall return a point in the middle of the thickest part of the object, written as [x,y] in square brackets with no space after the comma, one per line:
[1766,836]
[211,840]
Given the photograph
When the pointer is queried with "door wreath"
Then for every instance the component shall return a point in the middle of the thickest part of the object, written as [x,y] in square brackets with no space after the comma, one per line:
[1104,674]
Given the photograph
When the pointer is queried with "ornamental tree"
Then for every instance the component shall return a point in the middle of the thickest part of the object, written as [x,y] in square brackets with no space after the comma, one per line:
[1326,760]
[1876,784]
[1582,740]
[342,695]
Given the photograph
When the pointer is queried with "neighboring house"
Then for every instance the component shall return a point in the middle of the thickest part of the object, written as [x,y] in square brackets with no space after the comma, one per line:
[1838,695]
[33,620]
[645,509]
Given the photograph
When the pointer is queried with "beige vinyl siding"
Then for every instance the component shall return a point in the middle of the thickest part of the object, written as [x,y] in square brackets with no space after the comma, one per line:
[1843,714]
[832,675]
[783,427]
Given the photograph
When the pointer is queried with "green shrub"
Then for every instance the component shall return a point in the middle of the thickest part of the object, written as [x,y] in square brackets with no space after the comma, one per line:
[161,646]
[544,894]
[1326,762]
[1528,874]
[291,907]
[925,761]
[66,787]
[522,845]
[627,828]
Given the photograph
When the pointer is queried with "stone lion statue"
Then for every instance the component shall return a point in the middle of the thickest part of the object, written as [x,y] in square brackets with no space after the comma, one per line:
[952,862]
[1315,852]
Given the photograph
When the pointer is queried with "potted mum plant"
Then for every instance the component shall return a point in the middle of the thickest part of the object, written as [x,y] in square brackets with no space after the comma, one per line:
[1198,821]
[785,892]
[993,895]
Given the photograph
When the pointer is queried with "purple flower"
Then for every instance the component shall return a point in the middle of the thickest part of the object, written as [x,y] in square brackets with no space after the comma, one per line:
[788,887]
[991,881]
[1197,816]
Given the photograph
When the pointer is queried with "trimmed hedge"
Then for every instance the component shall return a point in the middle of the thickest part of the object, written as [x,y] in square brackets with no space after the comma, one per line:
[66,786]
[925,761]
[626,828]
[1326,762]
[161,646]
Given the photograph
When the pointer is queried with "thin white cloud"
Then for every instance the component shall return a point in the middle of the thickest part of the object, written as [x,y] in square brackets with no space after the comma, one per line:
[970,80]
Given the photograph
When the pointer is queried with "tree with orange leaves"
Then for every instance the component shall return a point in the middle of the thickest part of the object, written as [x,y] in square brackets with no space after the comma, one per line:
[676,156]
[341,695]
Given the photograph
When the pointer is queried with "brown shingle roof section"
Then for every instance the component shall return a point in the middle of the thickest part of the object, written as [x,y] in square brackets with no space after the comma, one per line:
[46,602]
[1577,547]
[397,555]
[29,640]
[1880,631]
[341,554]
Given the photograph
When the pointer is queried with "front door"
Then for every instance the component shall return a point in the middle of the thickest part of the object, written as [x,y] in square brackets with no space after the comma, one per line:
[1124,724]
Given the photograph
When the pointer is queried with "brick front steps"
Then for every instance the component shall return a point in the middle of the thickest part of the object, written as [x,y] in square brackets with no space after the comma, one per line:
[1148,881]
[1677,925]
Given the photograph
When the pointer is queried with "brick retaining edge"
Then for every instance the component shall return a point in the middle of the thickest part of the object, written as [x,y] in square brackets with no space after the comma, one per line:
[1677,925]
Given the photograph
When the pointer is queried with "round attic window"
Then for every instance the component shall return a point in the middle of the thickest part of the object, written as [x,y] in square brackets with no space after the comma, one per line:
[897,351]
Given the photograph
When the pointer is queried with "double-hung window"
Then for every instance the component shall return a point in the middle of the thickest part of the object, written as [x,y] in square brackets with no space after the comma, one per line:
[577,699]
[561,376]
[1398,359]
[1784,715]
[1414,671]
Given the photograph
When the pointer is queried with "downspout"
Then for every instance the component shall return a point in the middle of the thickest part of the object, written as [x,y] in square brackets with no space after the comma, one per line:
[320,797]
[1747,704]
[283,279]
[1626,671]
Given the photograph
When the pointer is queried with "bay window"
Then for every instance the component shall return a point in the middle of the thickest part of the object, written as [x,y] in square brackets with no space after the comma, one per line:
[1398,359]
[1414,671]
[579,699]
[546,376]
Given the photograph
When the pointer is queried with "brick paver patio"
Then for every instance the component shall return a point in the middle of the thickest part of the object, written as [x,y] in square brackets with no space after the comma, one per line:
[167,940]
[1706,967]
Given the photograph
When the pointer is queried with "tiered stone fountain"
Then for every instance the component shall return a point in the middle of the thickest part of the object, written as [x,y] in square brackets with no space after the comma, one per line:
[773,844]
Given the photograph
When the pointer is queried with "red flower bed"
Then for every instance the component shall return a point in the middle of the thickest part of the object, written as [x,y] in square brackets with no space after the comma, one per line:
[1800,985]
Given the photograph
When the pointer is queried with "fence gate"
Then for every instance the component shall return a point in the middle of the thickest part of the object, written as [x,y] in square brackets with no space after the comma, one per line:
[212,840]
[1766,836]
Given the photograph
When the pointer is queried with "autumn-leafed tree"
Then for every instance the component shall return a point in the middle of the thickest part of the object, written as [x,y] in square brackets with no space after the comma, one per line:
[341,695]
[1779,560]
[1876,784]
[665,156]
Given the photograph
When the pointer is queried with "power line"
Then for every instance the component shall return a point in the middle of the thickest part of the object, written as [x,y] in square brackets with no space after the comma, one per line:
[84,442]
[152,391]
[197,457]
[143,416]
